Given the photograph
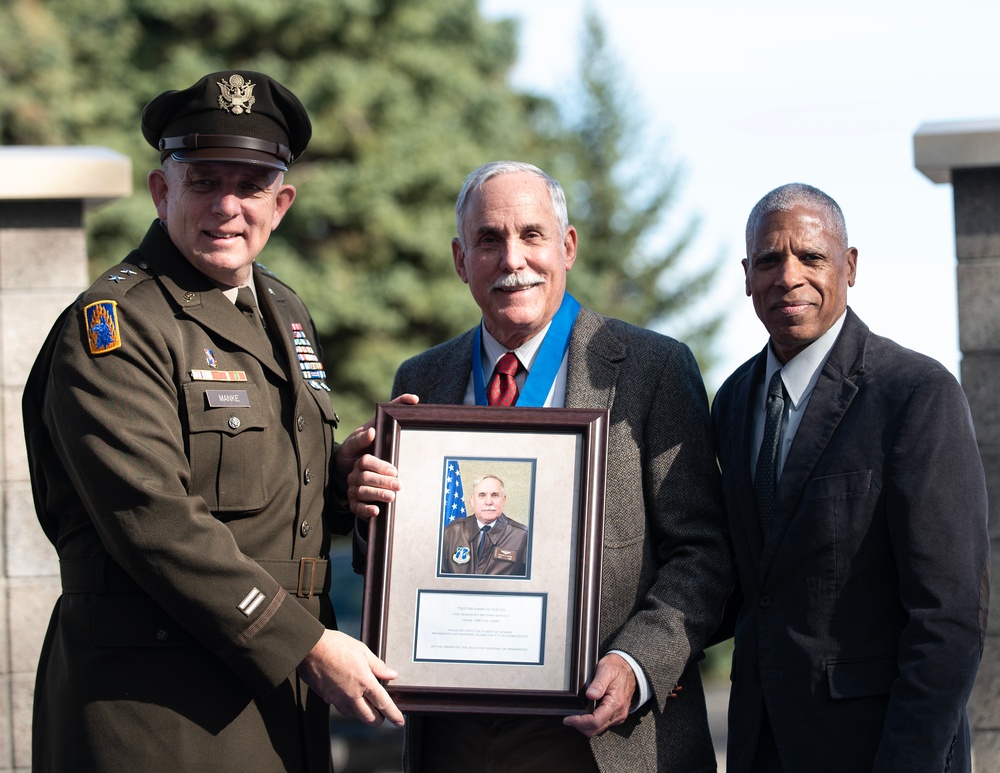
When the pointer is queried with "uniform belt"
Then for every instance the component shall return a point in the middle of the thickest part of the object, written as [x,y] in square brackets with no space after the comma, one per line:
[305,577]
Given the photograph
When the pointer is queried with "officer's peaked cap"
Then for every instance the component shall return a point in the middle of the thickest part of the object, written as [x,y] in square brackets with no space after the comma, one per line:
[234,115]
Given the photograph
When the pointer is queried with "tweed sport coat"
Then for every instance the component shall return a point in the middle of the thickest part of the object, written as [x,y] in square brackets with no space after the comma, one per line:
[179,525]
[667,564]
[865,607]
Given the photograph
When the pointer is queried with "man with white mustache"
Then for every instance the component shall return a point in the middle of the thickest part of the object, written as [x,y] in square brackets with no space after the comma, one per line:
[488,541]
[666,561]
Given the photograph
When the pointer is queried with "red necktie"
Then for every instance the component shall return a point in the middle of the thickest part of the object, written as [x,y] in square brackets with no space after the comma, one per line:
[502,389]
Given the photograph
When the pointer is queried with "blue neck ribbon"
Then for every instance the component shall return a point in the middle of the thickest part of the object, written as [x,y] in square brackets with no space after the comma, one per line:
[550,356]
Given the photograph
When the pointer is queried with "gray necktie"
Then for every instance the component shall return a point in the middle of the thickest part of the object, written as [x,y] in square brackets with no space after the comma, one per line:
[766,478]
[482,539]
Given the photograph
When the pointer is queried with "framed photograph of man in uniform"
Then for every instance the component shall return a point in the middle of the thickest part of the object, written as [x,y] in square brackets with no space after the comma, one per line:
[483,576]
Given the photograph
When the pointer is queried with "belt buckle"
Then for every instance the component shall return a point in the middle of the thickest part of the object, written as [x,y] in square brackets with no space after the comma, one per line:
[303,563]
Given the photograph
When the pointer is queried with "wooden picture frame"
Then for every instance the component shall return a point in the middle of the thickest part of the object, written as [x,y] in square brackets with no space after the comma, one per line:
[512,626]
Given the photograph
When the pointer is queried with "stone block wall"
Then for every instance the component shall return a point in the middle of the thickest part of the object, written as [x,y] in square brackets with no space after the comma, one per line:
[977,246]
[44,195]
[967,155]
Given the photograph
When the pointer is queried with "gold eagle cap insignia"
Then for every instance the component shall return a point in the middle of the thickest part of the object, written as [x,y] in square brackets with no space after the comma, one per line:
[237,95]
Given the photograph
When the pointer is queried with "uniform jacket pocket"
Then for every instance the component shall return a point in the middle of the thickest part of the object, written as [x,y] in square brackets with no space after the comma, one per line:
[227,446]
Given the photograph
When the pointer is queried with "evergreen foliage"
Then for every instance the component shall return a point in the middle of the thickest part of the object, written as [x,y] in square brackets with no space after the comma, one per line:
[619,195]
[406,98]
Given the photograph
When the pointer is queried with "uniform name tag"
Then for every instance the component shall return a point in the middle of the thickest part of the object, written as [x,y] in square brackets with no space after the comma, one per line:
[228,398]
[505,554]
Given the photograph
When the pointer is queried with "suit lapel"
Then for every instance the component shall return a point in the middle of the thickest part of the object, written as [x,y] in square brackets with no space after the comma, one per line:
[830,400]
[743,440]
[446,381]
[595,356]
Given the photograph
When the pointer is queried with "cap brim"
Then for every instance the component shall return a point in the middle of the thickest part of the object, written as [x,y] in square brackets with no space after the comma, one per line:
[230,155]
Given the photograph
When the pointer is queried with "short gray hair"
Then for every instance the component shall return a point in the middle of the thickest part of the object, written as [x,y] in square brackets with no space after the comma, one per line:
[786,197]
[481,478]
[480,176]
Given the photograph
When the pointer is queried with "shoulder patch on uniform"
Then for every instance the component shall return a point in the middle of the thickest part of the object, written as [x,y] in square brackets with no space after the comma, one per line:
[101,319]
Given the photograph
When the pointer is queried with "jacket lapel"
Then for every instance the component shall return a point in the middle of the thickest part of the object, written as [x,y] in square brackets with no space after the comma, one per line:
[272,299]
[445,380]
[830,400]
[217,313]
[198,298]
[595,356]
[743,440]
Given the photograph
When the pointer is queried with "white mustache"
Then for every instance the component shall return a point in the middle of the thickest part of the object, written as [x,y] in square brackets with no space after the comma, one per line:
[517,280]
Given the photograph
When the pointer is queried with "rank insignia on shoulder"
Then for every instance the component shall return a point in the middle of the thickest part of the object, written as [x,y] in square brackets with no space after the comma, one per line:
[103,333]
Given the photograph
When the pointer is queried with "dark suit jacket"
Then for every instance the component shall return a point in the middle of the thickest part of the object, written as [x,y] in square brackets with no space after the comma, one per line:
[865,606]
[667,568]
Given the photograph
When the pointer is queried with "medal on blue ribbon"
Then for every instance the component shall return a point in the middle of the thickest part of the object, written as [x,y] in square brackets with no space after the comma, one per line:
[547,362]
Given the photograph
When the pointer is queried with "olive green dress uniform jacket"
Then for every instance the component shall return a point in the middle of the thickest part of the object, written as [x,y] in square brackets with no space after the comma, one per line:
[505,547]
[179,529]
[667,564]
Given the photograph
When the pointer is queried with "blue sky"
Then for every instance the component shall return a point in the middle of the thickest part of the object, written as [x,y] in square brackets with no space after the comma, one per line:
[750,96]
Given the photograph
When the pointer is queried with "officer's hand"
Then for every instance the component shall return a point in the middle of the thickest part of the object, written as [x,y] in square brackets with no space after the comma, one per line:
[345,673]
[613,686]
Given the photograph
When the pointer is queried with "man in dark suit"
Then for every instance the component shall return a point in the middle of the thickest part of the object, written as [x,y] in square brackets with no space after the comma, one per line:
[486,542]
[857,506]
[667,566]
[183,465]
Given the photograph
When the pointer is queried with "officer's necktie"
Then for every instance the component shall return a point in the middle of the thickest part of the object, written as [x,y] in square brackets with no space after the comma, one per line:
[766,477]
[502,388]
[246,303]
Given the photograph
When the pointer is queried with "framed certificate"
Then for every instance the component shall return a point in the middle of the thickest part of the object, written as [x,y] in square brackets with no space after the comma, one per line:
[483,578]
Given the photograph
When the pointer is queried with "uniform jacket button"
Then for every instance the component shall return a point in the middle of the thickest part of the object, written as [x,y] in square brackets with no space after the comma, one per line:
[301,423]
[307,476]
[305,528]
[765,601]
[162,635]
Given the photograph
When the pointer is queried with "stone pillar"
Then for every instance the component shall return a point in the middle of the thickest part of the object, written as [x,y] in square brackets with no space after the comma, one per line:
[44,195]
[968,156]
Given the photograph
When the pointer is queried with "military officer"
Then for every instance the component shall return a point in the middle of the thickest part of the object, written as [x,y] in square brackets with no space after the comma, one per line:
[487,542]
[181,444]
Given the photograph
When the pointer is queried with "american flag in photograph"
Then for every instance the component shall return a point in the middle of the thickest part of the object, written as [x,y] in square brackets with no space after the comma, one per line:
[454,497]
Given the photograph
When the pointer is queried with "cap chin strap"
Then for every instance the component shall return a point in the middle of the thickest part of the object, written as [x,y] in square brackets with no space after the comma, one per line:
[196,141]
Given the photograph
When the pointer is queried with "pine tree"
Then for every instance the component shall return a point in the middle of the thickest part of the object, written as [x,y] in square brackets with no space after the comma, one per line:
[406,97]
[620,194]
